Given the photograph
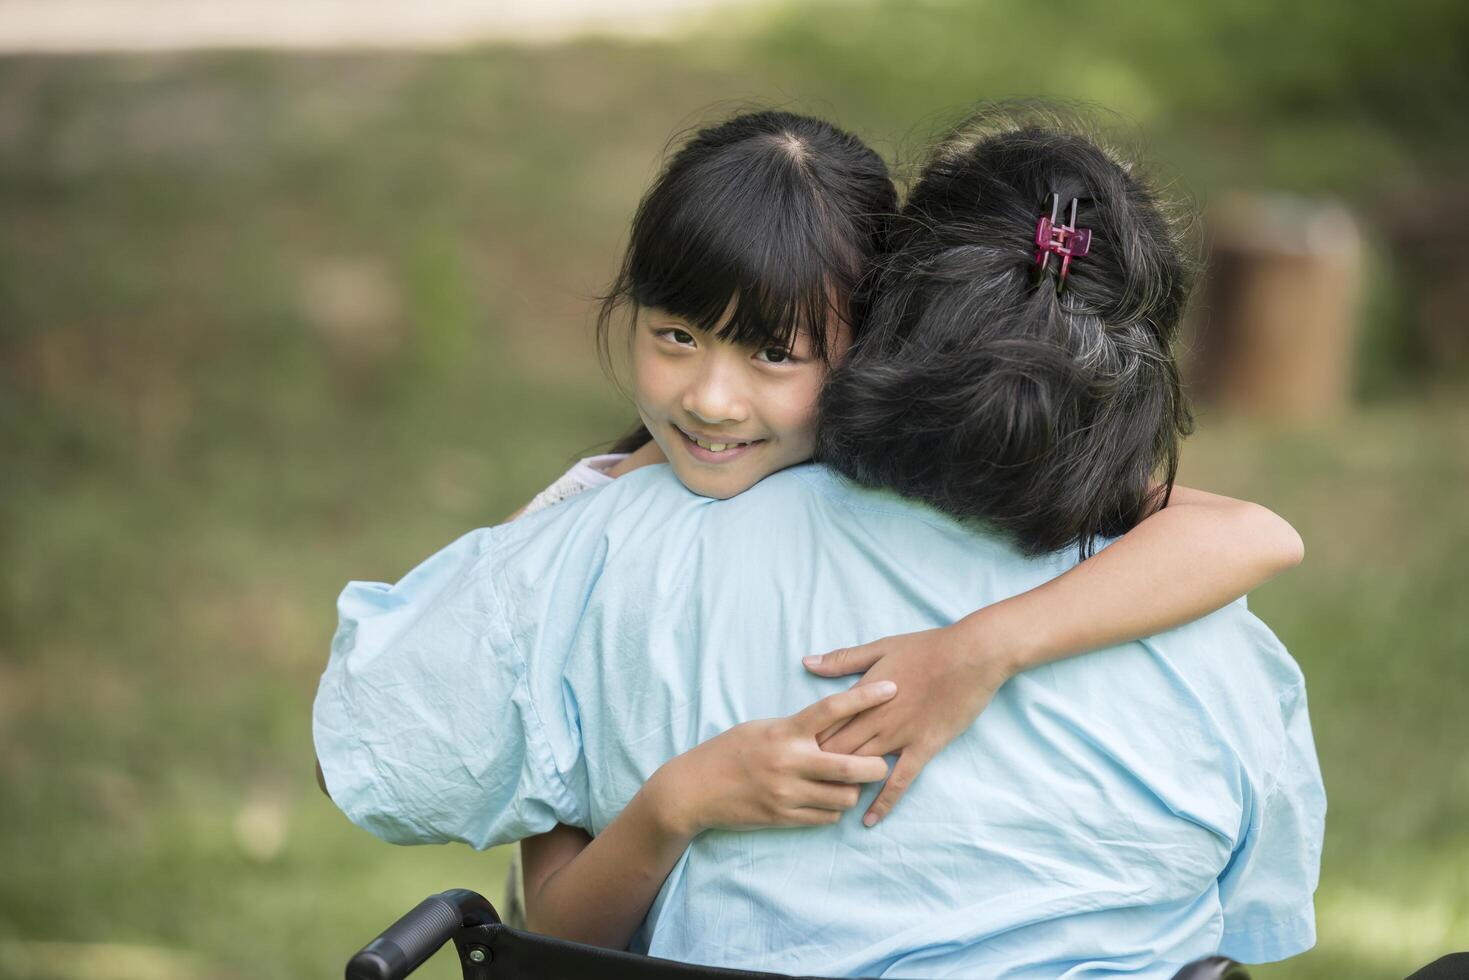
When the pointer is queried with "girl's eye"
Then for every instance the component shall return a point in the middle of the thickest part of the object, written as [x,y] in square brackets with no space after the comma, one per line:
[680,337]
[774,355]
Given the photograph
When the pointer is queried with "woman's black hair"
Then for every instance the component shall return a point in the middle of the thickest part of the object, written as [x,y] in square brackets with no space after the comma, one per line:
[979,386]
[759,226]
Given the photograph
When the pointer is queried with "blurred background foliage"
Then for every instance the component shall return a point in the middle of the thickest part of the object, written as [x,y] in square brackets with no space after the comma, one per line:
[273,321]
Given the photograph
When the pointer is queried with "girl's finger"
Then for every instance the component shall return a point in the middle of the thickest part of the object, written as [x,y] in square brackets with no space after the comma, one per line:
[910,764]
[829,768]
[856,733]
[839,707]
[829,796]
[823,737]
[813,817]
[848,660]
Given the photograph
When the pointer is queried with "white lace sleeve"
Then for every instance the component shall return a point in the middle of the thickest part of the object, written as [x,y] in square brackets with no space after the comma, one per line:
[584,475]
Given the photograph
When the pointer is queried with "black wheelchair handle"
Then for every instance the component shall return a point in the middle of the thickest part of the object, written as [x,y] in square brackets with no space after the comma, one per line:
[405,944]
[1213,968]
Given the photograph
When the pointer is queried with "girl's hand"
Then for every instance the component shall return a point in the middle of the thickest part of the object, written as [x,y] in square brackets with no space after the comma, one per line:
[946,678]
[1185,560]
[770,773]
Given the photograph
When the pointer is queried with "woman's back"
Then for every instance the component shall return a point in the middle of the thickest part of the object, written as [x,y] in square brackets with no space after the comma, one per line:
[1131,810]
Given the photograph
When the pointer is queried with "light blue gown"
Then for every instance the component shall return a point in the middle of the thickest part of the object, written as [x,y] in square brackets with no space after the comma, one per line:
[1118,813]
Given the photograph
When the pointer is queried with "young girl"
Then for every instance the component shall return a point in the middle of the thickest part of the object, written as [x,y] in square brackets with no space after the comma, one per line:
[740,280]
[742,263]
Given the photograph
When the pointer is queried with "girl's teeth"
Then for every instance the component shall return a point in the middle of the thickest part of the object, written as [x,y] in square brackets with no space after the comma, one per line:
[717,447]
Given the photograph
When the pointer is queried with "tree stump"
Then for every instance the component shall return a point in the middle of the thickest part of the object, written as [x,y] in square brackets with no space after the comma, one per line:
[1276,325]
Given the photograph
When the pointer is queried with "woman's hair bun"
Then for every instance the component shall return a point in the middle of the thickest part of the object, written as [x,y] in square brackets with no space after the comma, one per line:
[979,387]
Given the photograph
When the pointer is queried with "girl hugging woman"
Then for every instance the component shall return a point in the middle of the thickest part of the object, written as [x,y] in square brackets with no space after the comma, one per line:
[769,252]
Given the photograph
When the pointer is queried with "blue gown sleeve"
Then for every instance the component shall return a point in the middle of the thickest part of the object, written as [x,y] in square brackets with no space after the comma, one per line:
[427,724]
[1267,889]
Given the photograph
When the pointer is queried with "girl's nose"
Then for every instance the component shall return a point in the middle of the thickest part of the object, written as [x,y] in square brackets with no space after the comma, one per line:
[715,397]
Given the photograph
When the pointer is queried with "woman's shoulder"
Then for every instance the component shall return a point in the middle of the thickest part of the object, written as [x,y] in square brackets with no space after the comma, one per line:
[574,536]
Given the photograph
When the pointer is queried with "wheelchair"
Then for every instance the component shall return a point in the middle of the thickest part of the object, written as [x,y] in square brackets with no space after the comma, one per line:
[490,950]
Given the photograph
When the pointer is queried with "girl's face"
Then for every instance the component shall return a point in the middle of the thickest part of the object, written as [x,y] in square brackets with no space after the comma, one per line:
[726,416]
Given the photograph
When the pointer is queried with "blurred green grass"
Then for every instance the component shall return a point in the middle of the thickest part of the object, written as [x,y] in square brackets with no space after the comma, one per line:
[269,323]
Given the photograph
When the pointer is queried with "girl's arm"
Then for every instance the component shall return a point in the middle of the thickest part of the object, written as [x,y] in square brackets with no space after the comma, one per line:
[1194,556]
[759,774]
[1197,554]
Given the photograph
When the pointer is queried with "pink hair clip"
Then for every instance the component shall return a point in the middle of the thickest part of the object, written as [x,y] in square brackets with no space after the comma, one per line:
[1067,241]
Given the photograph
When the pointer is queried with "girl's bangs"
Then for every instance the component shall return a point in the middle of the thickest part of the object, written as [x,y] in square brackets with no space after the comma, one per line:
[755,269]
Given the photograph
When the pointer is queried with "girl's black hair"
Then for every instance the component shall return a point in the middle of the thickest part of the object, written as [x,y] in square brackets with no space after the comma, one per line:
[759,226]
[979,387]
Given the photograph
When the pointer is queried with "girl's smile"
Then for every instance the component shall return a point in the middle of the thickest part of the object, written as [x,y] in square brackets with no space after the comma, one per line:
[716,448]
